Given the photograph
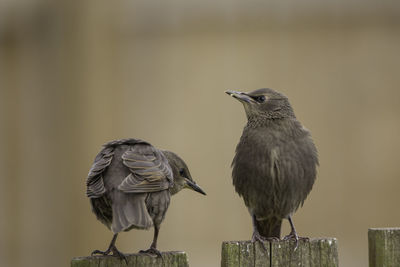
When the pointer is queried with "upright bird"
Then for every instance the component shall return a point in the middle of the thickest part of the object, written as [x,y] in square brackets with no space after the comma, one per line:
[274,167]
[130,185]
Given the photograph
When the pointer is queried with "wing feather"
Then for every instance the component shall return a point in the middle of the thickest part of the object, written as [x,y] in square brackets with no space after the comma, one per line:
[150,170]
[94,182]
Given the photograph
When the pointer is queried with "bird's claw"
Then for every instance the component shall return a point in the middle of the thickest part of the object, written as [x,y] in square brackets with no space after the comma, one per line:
[257,237]
[152,251]
[292,236]
[115,253]
[99,252]
[296,238]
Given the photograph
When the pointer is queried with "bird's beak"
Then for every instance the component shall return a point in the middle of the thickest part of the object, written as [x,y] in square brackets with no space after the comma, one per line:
[193,186]
[242,97]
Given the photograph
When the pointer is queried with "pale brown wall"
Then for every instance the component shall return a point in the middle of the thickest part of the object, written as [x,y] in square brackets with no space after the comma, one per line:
[77,74]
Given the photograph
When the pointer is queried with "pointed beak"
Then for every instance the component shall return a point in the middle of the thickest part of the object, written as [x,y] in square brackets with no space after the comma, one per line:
[242,97]
[193,186]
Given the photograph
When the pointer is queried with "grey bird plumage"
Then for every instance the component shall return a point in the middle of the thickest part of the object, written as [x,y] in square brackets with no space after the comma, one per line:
[130,185]
[274,167]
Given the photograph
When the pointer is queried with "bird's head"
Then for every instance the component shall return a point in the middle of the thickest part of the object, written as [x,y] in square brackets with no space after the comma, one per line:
[265,103]
[182,177]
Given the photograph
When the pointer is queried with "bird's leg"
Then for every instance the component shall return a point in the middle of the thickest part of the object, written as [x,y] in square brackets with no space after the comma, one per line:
[257,236]
[153,248]
[293,233]
[111,248]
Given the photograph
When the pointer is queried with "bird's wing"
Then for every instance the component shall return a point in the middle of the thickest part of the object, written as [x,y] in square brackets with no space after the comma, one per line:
[94,183]
[295,168]
[150,170]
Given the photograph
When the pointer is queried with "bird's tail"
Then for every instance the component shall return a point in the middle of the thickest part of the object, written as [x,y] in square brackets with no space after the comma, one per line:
[270,227]
[129,212]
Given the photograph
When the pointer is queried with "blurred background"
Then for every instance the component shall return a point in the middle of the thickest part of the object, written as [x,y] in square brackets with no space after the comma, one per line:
[76,74]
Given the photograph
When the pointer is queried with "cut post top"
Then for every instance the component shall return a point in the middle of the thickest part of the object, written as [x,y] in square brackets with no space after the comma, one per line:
[308,253]
[168,259]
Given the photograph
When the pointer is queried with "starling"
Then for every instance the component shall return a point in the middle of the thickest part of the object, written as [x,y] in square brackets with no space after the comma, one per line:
[130,185]
[274,167]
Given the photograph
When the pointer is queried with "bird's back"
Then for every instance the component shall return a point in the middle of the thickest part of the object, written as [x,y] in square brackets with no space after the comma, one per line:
[122,177]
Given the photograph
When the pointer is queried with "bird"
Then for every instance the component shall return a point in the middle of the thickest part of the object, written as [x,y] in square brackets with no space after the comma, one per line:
[130,185]
[275,163]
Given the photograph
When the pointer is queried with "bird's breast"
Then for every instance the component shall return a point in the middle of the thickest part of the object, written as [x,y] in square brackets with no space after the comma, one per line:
[273,170]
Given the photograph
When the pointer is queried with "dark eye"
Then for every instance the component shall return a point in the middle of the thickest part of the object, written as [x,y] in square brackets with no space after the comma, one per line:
[260,98]
[182,172]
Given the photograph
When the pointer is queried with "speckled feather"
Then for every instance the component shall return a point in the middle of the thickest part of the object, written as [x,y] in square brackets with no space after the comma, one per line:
[274,167]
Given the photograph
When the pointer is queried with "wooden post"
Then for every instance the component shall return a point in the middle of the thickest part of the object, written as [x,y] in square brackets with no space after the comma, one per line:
[384,247]
[312,253]
[169,259]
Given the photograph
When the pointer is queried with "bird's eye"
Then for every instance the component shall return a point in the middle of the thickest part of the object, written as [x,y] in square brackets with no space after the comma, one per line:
[260,98]
[182,172]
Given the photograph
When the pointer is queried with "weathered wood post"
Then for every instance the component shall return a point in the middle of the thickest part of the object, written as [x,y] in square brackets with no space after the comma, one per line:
[169,259]
[384,247]
[312,253]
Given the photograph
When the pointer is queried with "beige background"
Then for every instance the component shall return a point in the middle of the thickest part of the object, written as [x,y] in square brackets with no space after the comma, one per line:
[75,74]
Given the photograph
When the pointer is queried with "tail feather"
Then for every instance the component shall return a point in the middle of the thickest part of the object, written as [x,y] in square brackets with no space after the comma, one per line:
[270,227]
[130,211]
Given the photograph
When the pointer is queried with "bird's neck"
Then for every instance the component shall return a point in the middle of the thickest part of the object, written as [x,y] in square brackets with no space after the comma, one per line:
[271,123]
[254,122]
[265,118]
[262,121]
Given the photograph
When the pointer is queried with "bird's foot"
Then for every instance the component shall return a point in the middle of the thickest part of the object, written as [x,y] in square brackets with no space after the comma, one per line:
[111,250]
[257,237]
[295,237]
[152,252]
